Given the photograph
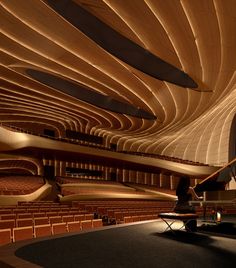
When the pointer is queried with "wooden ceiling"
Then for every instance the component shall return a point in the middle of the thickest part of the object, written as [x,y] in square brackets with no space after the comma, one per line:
[198,37]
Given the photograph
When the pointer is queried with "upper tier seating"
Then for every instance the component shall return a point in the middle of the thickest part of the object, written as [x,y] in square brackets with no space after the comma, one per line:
[100,146]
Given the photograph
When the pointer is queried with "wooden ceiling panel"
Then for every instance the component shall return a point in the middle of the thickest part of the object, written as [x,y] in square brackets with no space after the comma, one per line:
[198,37]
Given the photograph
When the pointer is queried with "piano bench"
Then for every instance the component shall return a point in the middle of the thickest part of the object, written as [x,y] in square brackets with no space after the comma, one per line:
[173,216]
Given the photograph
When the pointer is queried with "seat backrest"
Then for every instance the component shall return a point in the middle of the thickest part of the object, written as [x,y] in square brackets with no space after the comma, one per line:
[74,226]
[41,221]
[22,233]
[55,219]
[5,236]
[97,223]
[24,222]
[42,230]
[85,225]
[59,228]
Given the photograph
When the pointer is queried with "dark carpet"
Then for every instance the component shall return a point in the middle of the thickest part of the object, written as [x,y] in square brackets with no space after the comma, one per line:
[139,245]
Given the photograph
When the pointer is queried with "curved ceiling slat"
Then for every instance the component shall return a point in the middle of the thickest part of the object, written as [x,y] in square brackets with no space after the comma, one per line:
[196,36]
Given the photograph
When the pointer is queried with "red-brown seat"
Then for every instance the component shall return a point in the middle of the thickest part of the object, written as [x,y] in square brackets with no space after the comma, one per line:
[8,217]
[97,223]
[68,218]
[74,226]
[5,236]
[79,217]
[89,216]
[39,214]
[55,219]
[85,225]
[22,233]
[7,224]
[63,213]
[128,219]
[51,214]
[6,211]
[136,218]
[24,222]
[41,221]
[24,215]
[42,230]
[59,228]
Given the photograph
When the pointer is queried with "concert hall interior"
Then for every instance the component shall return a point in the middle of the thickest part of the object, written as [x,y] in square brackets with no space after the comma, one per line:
[104,106]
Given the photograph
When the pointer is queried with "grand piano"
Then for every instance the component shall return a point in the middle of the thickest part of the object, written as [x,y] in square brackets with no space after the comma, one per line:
[216,197]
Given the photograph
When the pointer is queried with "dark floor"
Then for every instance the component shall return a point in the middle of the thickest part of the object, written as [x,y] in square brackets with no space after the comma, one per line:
[139,245]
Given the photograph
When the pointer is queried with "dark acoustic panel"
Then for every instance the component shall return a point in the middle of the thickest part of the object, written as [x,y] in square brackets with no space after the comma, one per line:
[49,132]
[120,46]
[83,137]
[84,172]
[49,172]
[87,95]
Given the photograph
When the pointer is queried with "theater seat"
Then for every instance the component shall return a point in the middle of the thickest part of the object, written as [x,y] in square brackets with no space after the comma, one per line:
[68,218]
[97,223]
[24,222]
[59,228]
[5,236]
[74,226]
[85,225]
[41,221]
[22,233]
[42,230]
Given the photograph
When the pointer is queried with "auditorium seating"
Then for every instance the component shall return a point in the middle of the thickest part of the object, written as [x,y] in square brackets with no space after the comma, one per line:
[86,224]
[97,223]
[45,219]
[42,230]
[59,228]
[24,222]
[24,225]
[20,185]
[74,226]
[22,233]
[5,236]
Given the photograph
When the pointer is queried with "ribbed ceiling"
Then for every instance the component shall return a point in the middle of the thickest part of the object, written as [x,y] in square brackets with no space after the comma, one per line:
[197,37]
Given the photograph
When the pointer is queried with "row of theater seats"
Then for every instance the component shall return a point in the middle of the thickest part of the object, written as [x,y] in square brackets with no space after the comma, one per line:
[20,185]
[8,235]
[42,218]
[102,206]
[117,211]
[118,215]
[91,191]
[50,211]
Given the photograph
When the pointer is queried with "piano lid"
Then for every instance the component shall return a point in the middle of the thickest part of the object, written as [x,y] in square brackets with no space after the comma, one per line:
[218,180]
